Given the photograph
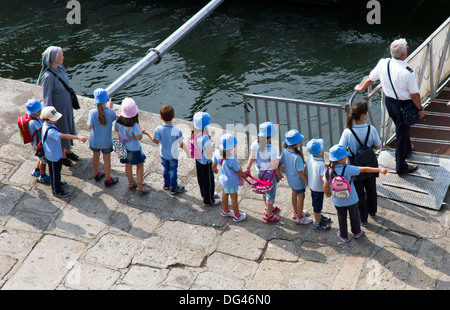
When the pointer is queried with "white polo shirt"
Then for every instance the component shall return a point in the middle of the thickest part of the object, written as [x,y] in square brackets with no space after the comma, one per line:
[404,79]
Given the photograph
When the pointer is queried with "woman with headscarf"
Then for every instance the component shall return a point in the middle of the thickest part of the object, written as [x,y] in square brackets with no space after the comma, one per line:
[55,94]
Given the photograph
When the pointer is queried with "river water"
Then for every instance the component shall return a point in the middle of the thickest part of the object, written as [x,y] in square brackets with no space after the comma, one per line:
[271,47]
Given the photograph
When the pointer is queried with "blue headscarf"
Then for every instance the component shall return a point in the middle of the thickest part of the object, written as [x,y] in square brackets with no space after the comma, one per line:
[48,57]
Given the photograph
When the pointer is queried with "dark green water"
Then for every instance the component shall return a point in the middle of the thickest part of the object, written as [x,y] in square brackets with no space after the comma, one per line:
[277,48]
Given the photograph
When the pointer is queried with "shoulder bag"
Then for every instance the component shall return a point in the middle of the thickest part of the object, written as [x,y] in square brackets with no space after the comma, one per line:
[75,103]
[409,111]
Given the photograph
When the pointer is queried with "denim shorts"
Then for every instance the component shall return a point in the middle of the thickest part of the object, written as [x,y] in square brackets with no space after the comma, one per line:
[134,158]
[230,190]
[104,151]
[299,191]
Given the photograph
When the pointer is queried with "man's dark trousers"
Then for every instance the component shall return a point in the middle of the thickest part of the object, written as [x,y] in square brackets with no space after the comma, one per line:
[403,143]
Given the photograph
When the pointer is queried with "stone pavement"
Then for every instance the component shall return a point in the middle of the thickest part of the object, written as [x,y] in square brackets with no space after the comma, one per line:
[115,238]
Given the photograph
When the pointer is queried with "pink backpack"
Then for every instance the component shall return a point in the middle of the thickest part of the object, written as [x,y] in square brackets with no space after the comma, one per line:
[194,150]
[340,187]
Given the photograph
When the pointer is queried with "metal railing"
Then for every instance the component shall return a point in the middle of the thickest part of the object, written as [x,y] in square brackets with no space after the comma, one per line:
[430,62]
[311,119]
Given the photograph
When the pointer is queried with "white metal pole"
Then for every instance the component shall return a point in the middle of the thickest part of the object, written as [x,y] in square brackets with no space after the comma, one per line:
[155,54]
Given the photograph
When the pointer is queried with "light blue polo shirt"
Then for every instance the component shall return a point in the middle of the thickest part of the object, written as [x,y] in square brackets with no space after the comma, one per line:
[101,135]
[169,137]
[52,144]
[228,178]
[133,144]
[316,171]
[348,140]
[292,163]
[349,172]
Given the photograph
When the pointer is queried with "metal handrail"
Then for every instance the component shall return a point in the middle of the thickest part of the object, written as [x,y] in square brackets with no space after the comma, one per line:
[274,110]
[154,55]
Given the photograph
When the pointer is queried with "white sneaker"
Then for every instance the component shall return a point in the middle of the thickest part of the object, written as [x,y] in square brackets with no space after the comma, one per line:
[303,220]
[242,216]
[229,213]
[216,202]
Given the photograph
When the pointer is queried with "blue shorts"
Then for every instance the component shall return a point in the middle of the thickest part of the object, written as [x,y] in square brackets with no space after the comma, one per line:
[104,151]
[230,190]
[299,191]
[134,158]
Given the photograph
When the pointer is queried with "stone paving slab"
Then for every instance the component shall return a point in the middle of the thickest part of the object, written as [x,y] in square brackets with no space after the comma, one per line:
[116,239]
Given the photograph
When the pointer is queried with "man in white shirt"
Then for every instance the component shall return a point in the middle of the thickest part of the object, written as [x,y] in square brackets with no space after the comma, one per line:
[406,88]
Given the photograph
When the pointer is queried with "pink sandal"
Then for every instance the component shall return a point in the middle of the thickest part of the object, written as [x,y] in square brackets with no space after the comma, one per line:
[273,218]
[274,209]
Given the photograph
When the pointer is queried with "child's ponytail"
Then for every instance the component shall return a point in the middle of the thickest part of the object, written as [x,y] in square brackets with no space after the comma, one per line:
[331,166]
[357,110]
[101,114]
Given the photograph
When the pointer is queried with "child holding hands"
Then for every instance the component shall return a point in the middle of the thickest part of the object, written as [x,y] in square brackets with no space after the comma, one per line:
[129,131]
[316,170]
[51,142]
[264,155]
[169,138]
[296,174]
[100,122]
[338,160]
[229,176]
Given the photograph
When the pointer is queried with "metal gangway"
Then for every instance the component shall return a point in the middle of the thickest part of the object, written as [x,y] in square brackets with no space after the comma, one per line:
[428,186]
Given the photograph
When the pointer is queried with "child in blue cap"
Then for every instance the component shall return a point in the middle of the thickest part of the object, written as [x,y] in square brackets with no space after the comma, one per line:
[296,174]
[100,122]
[34,108]
[338,160]
[264,155]
[316,171]
[203,165]
[229,176]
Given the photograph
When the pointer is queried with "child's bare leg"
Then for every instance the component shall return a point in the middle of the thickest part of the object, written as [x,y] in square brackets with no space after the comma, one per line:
[96,162]
[225,201]
[42,167]
[300,201]
[234,204]
[140,174]
[107,165]
[294,200]
[129,173]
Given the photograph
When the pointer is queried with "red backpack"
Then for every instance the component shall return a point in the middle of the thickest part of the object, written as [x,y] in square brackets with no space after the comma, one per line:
[22,122]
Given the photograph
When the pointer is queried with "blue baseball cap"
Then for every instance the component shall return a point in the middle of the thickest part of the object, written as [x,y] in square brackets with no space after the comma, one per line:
[201,120]
[293,137]
[100,96]
[33,106]
[337,152]
[227,141]
[266,129]
[314,146]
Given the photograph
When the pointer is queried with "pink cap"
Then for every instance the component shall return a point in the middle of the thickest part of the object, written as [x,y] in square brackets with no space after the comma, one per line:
[129,108]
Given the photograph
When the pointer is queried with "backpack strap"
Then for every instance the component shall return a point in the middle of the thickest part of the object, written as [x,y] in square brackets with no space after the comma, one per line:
[195,141]
[120,139]
[359,141]
[343,170]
